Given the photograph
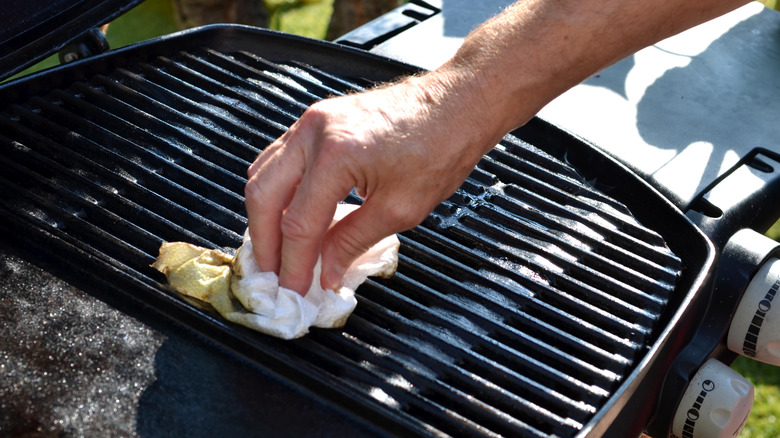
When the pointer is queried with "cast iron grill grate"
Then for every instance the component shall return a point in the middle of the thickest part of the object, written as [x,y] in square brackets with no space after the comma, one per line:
[519,305]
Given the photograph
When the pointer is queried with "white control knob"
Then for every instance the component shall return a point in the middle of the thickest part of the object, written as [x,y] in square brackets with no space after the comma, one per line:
[716,403]
[755,329]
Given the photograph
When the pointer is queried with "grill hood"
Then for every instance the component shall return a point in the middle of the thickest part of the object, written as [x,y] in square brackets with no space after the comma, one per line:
[30,30]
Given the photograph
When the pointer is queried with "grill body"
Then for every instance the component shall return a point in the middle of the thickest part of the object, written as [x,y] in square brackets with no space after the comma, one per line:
[541,299]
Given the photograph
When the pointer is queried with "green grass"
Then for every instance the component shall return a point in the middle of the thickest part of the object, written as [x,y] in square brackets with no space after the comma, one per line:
[763,422]
[150,19]
[301,18]
[154,18]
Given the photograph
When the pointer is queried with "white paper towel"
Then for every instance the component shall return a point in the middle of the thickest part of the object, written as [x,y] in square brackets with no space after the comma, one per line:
[255,300]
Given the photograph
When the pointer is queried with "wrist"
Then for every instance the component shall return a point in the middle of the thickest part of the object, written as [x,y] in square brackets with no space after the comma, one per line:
[455,97]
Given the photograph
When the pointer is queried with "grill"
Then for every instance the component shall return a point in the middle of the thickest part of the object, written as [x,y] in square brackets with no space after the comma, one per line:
[523,306]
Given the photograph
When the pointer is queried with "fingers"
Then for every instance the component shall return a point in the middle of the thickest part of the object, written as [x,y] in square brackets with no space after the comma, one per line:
[269,152]
[305,222]
[273,178]
[291,196]
[359,231]
[338,144]
[327,181]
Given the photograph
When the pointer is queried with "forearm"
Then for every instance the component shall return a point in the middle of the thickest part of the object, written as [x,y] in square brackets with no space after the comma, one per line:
[408,146]
[513,65]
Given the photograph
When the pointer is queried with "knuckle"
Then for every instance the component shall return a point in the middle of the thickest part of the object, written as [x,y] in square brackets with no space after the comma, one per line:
[404,216]
[350,244]
[338,139]
[316,115]
[253,190]
[295,227]
[337,157]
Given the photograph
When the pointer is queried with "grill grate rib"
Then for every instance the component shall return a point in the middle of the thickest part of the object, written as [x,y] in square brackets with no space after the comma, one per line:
[519,305]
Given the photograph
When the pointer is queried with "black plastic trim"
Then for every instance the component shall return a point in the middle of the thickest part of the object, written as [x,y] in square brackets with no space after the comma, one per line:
[25,40]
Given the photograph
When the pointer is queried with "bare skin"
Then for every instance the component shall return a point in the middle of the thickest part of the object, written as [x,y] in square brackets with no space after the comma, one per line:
[406,147]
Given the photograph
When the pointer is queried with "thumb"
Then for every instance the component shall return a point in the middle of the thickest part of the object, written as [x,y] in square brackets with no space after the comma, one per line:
[351,237]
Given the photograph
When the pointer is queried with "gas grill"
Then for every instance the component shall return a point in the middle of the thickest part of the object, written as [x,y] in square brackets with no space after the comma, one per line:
[549,296]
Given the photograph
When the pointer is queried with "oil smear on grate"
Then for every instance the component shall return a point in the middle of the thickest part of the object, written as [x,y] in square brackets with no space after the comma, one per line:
[519,305]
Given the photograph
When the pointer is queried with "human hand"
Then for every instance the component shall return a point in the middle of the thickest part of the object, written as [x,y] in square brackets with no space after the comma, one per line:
[404,148]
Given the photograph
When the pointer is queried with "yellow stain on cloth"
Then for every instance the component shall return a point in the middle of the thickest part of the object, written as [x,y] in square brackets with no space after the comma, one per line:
[196,272]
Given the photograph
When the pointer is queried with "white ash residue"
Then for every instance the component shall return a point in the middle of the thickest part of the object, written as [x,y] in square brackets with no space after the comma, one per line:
[70,365]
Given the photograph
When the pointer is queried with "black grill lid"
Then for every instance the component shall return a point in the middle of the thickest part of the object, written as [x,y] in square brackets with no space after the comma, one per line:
[30,30]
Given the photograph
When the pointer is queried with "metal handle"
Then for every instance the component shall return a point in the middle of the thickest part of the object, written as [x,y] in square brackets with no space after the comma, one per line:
[747,196]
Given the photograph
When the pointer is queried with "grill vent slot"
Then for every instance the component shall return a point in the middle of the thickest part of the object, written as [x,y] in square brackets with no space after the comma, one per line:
[519,305]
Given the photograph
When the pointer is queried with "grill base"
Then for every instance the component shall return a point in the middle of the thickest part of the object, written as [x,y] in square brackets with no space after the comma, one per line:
[522,306]
[106,372]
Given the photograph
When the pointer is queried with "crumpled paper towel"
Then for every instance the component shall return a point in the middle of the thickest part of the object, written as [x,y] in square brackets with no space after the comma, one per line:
[237,290]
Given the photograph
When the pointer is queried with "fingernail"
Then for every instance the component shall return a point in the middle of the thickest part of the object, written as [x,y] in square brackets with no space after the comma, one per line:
[333,277]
